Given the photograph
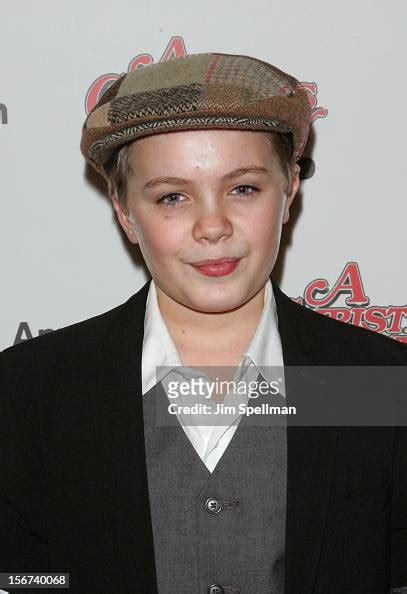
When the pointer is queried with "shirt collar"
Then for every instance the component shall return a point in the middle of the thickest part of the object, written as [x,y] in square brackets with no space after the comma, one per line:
[265,350]
[159,349]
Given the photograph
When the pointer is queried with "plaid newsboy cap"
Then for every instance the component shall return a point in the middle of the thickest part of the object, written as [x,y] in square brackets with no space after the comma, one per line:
[198,91]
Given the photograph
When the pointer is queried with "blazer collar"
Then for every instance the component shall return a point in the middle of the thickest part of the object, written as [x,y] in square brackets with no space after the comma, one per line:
[298,333]
[310,449]
[119,411]
[310,452]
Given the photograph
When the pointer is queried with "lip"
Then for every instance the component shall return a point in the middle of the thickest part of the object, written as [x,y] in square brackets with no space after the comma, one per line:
[218,267]
[214,262]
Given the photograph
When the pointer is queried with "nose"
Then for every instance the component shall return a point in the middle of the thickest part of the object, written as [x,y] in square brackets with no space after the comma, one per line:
[211,224]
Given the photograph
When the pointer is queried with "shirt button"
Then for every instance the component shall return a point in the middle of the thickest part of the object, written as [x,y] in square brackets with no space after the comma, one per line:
[213,506]
[215,589]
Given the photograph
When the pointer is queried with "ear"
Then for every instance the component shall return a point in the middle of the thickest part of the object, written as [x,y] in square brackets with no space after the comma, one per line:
[295,185]
[124,220]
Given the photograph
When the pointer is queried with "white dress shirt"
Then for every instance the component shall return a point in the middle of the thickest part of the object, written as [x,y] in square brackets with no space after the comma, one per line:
[159,350]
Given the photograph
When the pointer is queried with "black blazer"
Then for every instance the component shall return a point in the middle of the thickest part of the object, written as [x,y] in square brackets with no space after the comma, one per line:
[73,481]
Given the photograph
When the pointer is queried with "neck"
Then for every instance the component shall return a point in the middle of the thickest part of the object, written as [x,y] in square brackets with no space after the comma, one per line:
[218,332]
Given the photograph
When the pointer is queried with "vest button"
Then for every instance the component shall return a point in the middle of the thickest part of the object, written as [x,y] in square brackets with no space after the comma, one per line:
[215,589]
[213,506]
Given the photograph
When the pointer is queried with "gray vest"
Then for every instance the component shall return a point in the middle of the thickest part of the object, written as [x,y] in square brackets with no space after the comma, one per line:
[220,532]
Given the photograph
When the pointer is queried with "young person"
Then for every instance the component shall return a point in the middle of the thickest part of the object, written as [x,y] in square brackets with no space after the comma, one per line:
[201,157]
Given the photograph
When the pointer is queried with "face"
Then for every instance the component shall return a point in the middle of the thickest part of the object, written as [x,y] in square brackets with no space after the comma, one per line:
[204,195]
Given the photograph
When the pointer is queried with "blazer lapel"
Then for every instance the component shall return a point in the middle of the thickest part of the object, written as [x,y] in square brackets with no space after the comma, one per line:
[310,455]
[121,405]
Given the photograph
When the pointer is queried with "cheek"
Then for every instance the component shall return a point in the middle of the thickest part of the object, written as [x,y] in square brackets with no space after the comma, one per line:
[265,227]
[159,238]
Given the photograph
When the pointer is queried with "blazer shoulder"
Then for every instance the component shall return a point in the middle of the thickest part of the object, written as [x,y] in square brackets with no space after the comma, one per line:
[353,344]
[80,338]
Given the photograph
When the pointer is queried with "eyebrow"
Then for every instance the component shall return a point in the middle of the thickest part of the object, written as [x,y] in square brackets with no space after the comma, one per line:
[155,181]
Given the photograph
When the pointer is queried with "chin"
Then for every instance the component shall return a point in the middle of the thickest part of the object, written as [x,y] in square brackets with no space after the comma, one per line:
[213,305]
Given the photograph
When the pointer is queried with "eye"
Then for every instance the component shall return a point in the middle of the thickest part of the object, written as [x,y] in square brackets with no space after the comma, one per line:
[243,189]
[167,199]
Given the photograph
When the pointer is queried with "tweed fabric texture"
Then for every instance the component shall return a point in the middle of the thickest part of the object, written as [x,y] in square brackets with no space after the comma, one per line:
[199,91]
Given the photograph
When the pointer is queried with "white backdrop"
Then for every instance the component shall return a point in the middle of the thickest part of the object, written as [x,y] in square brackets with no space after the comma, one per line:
[64,258]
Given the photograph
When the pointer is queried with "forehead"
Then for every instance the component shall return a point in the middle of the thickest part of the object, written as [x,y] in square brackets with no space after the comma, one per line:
[216,149]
